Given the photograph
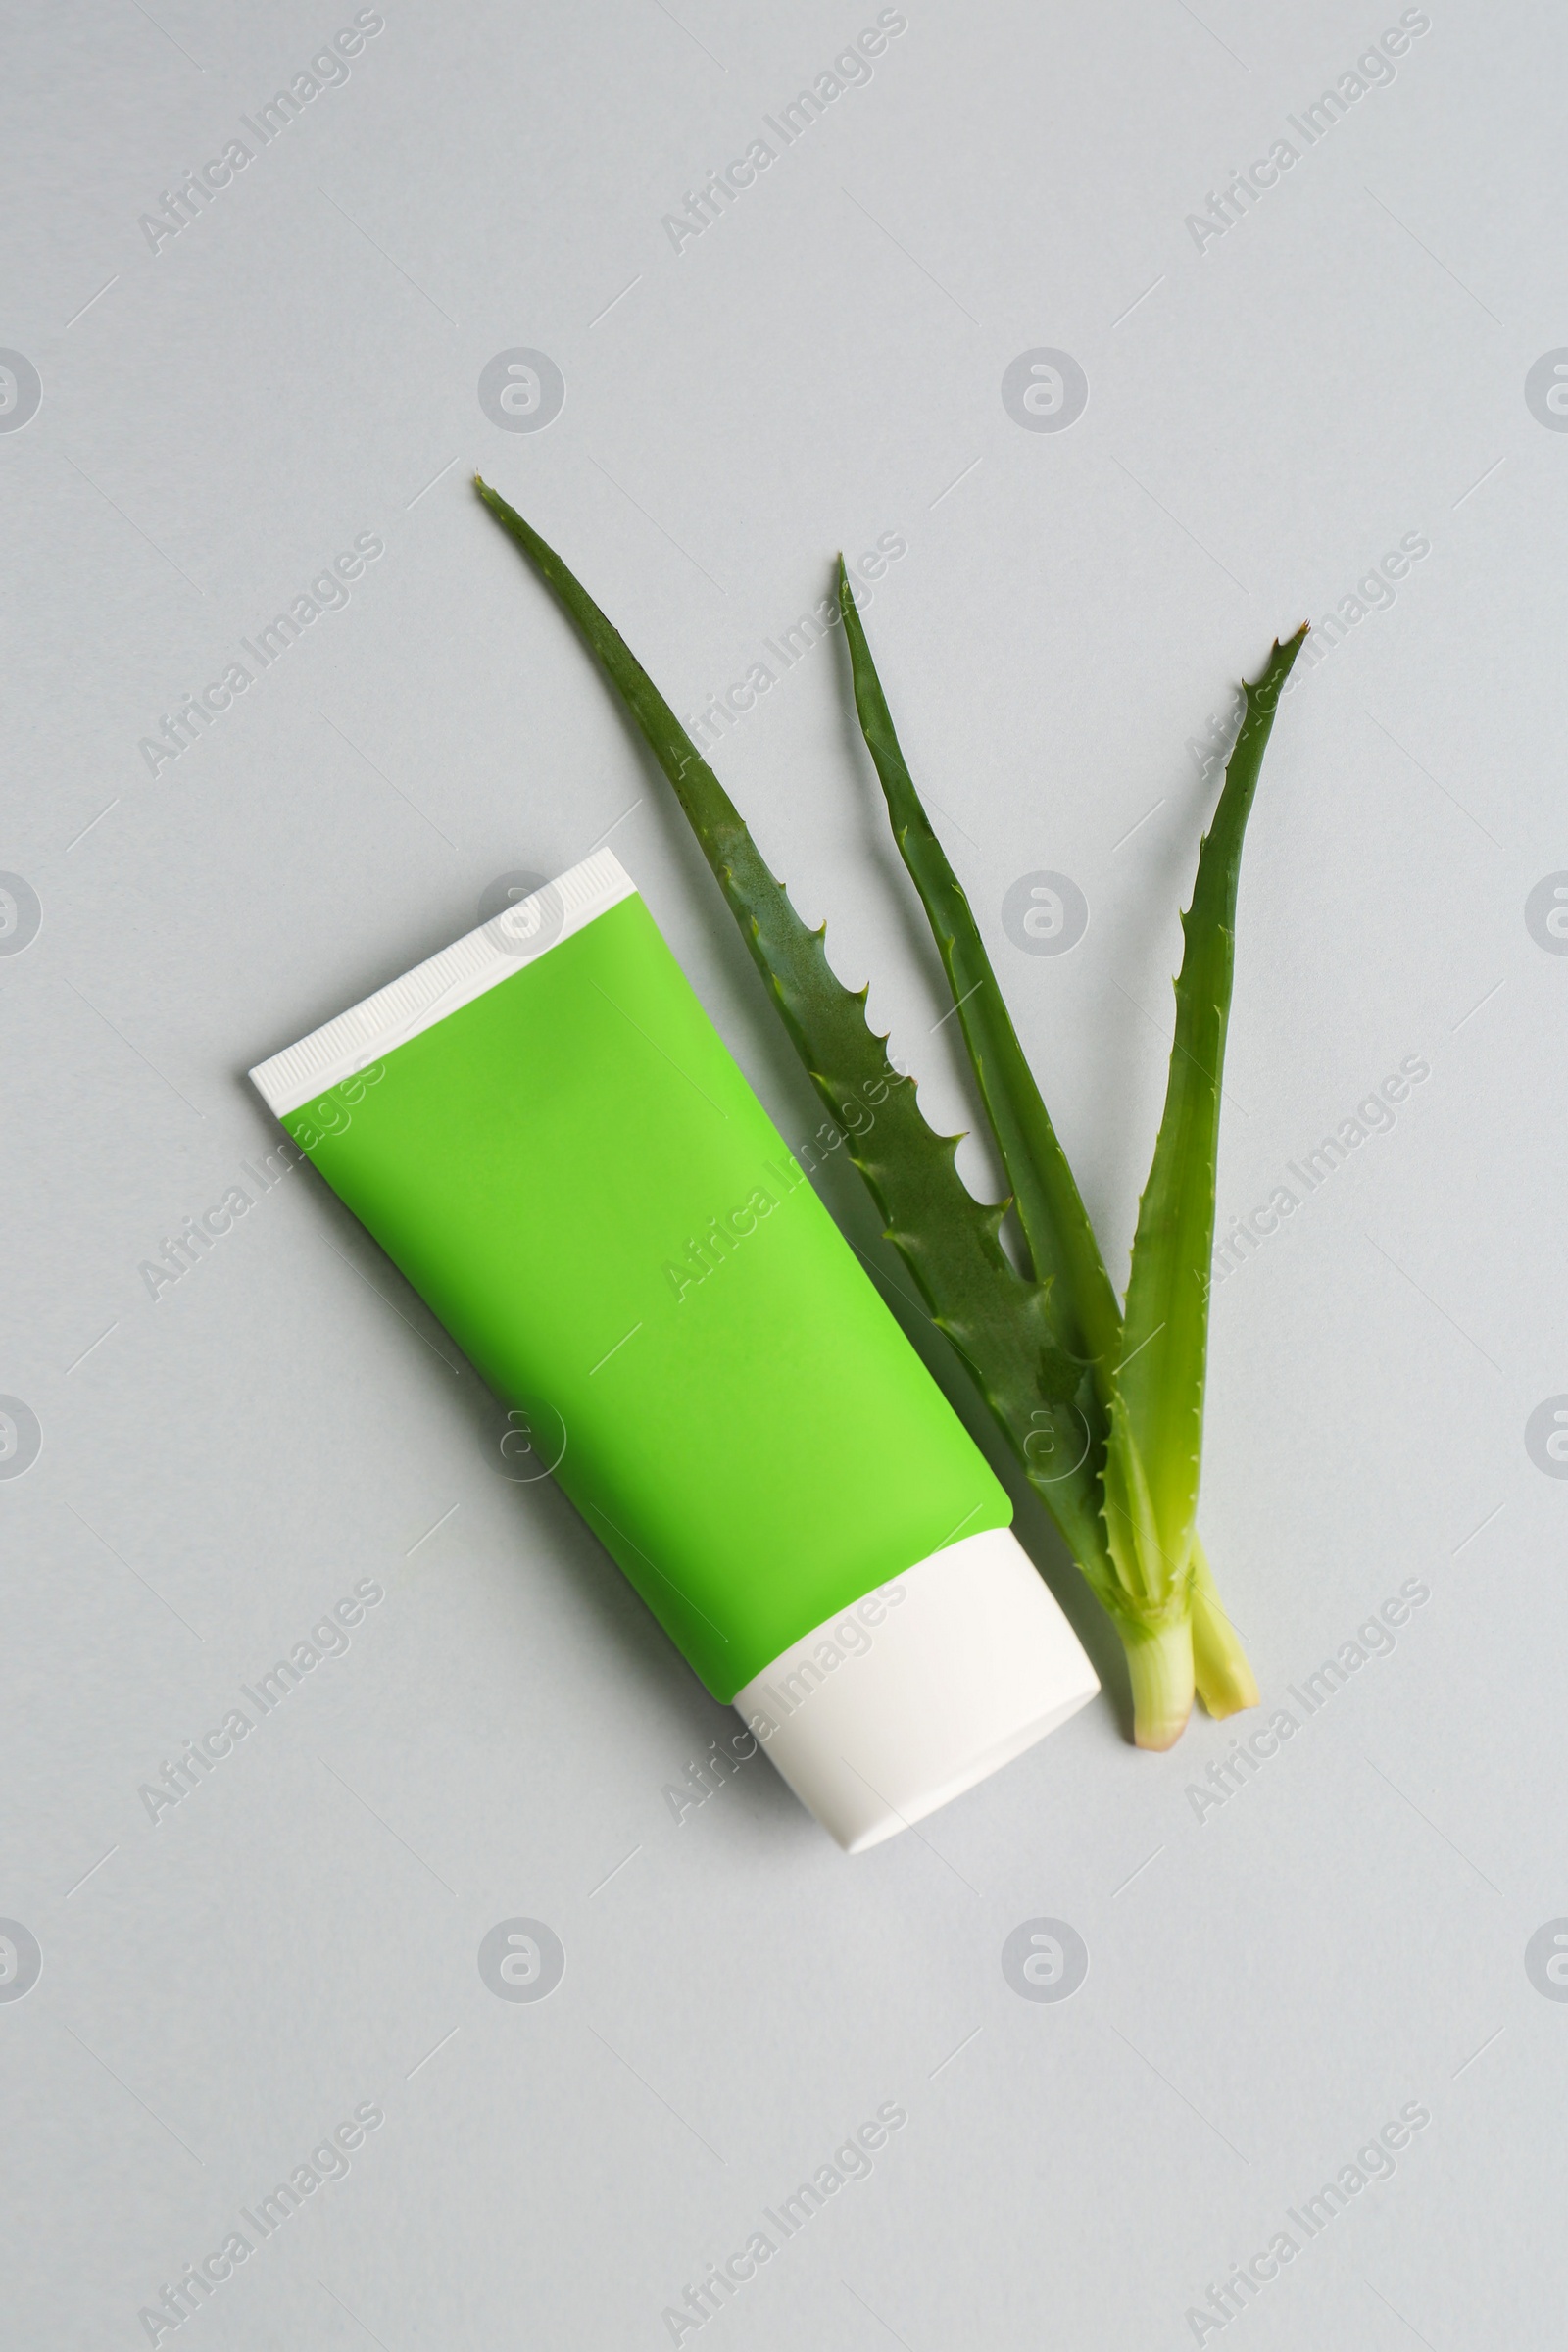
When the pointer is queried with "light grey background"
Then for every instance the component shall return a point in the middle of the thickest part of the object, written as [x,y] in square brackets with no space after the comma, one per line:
[1268,415]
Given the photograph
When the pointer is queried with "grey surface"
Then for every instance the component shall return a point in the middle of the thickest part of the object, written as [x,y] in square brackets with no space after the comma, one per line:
[1271,1978]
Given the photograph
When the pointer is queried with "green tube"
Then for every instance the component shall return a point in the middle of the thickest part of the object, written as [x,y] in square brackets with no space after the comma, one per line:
[546,1134]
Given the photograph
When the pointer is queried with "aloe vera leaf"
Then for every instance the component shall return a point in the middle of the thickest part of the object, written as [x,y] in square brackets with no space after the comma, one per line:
[995,1317]
[1156,1421]
[1083,1307]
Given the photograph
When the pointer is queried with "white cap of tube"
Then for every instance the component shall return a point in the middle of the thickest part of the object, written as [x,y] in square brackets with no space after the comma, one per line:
[912,1694]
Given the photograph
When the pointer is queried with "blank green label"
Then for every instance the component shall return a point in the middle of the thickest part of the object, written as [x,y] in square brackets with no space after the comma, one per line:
[575,1175]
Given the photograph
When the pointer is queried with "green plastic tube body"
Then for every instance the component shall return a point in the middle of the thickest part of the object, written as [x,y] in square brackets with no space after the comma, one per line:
[574,1173]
